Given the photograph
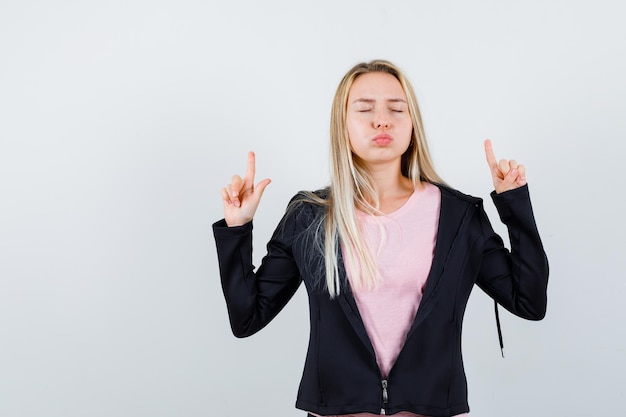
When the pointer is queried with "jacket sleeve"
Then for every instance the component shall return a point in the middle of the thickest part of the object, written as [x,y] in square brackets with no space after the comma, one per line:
[518,279]
[253,299]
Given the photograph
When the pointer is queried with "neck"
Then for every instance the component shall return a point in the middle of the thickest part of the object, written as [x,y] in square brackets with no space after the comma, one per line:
[391,187]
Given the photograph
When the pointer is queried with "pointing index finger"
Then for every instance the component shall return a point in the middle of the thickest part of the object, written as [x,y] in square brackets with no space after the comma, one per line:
[491,157]
[250,169]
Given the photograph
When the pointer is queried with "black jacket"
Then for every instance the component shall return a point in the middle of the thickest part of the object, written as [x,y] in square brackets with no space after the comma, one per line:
[341,375]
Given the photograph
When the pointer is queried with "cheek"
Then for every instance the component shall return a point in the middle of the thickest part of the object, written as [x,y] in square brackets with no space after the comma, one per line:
[408,124]
[405,126]
[351,132]
[353,128]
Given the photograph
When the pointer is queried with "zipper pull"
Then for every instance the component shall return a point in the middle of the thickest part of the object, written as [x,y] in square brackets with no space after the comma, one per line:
[385,396]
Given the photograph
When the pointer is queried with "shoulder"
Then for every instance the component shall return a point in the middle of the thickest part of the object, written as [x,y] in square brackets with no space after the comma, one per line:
[308,205]
[317,198]
[455,195]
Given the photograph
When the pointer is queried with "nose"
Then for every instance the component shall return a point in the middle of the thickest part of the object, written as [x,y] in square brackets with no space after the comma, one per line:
[381,124]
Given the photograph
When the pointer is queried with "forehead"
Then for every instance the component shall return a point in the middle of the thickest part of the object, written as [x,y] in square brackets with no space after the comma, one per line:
[376,85]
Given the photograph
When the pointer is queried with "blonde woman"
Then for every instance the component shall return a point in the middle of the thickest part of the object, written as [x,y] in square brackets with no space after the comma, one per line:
[388,255]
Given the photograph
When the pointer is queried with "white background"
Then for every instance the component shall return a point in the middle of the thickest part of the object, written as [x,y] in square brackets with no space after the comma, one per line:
[121,120]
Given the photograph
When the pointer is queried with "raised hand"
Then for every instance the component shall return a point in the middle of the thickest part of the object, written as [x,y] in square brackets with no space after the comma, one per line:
[507,174]
[241,197]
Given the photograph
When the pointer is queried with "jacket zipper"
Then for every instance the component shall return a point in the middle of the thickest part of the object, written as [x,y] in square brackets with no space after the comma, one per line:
[385,396]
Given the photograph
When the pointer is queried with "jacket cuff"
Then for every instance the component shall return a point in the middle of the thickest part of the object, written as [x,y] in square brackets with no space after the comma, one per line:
[511,202]
[221,229]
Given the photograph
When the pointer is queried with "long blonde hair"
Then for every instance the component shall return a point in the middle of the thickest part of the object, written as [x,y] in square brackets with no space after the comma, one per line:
[351,185]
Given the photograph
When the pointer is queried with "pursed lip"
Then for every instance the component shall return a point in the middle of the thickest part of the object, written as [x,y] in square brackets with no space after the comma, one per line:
[382,139]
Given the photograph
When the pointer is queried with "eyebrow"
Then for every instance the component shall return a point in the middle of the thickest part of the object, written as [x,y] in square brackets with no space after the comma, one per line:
[371,100]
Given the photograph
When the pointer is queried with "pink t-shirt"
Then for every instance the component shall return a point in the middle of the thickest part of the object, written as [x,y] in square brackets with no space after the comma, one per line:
[403,242]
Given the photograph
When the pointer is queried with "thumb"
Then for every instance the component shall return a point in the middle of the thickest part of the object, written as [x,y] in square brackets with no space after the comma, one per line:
[260,187]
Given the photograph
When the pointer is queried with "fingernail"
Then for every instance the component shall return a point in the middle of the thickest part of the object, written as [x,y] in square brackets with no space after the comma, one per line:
[235,193]
[237,203]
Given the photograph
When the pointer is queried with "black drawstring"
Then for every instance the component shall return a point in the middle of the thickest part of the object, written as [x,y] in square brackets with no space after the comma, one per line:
[495,305]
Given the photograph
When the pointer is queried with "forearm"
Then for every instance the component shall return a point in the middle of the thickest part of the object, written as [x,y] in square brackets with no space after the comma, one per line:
[517,279]
[253,298]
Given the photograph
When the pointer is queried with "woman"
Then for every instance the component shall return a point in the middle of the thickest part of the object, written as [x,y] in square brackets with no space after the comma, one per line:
[388,255]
